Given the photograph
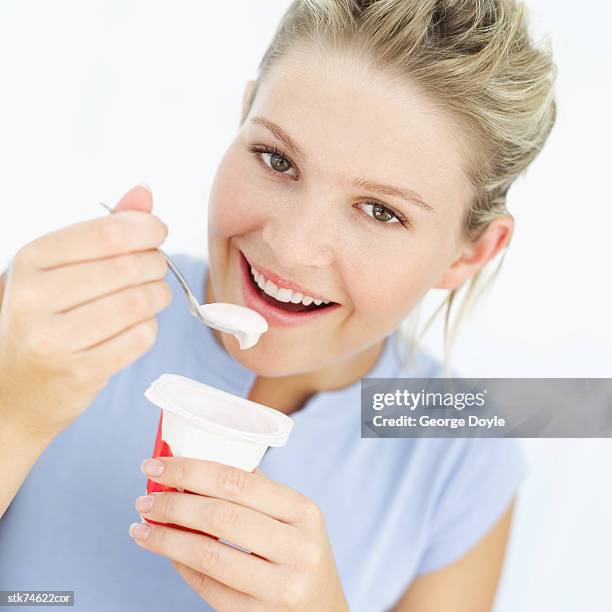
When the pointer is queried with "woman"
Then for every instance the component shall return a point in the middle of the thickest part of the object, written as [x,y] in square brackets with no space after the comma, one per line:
[372,163]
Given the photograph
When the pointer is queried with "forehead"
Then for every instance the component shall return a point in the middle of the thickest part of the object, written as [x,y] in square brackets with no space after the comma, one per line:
[350,120]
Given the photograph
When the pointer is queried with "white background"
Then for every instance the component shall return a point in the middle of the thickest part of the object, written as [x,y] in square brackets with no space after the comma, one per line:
[98,96]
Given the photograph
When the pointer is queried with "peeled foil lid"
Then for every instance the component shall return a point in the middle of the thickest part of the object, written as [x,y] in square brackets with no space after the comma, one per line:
[210,408]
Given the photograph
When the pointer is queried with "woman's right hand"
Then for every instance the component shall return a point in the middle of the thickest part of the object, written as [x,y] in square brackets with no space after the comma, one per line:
[79,305]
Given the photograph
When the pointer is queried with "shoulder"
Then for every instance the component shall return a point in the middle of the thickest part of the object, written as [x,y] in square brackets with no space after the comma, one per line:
[464,484]
[449,456]
[472,481]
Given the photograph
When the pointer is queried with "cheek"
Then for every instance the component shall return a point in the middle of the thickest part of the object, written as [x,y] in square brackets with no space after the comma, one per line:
[234,206]
[388,289]
[393,283]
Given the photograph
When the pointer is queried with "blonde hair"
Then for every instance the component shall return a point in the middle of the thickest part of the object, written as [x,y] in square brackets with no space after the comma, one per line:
[474,58]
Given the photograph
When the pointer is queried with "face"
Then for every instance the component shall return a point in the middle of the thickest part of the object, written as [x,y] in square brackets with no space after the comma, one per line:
[314,213]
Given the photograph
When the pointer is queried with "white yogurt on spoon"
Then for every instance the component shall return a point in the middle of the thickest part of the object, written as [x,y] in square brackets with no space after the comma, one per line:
[245,324]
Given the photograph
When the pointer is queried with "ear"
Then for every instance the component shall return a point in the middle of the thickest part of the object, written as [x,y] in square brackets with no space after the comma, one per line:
[246,98]
[475,255]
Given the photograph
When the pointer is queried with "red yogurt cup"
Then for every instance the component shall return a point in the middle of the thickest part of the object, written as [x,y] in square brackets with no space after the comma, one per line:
[162,449]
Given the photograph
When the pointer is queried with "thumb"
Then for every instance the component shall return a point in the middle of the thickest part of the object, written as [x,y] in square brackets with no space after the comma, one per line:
[137,198]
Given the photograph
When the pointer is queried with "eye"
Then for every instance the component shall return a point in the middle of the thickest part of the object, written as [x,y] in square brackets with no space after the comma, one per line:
[277,162]
[382,215]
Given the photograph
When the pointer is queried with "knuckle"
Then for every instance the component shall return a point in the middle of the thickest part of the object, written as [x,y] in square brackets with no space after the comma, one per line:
[163,293]
[163,263]
[146,333]
[110,233]
[98,384]
[127,267]
[165,505]
[232,481]
[80,376]
[25,299]
[206,555]
[201,583]
[311,555]
[223,516]
[158,264]
[310,512]
[158,537]
[160,228]
[169,295]
[293,591]
[179,473]
[153,328]
[41,343]
[137,302]
[28,254]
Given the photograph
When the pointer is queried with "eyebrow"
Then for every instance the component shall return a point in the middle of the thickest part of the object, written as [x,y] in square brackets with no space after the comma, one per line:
[412,197]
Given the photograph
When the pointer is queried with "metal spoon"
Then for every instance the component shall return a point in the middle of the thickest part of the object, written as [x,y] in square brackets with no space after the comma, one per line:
[210,314]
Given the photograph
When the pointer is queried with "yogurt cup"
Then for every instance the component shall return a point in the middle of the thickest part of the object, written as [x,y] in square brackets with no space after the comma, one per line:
[202,422]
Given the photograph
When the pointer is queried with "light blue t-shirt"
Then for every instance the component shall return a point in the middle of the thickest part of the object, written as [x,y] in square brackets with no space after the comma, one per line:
[393,508]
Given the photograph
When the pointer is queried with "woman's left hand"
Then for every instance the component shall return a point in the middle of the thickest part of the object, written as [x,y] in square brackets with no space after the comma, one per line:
[292,566]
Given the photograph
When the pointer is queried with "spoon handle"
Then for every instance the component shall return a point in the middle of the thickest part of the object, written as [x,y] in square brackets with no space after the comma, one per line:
[193,302]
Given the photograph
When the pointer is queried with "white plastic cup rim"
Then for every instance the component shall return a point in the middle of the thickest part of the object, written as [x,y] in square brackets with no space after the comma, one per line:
[191,400]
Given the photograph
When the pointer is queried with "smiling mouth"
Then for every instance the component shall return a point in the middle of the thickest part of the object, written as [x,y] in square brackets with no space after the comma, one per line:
[286,306]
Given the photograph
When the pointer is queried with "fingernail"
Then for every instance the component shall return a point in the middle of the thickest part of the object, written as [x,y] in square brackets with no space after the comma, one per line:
[152,467]
[140,530]
[146,186]
[145,503]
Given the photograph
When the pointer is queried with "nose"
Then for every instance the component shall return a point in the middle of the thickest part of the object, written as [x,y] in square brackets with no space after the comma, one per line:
[301,235]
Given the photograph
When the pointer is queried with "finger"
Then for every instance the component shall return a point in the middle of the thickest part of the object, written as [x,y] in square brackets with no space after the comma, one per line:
[70,286]
[218,595]
[254,491]
[109,315]
[244,527]
[109,357]
[137,198]
[236,569]
[118,233]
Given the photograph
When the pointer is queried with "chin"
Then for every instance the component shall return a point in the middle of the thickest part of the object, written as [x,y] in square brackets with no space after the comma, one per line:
[265,359]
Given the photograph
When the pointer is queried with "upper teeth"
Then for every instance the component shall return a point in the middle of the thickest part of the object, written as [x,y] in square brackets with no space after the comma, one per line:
[283,294]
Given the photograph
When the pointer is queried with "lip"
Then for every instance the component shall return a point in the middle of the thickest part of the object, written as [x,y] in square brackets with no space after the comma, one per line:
[279,281]
[276,317]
